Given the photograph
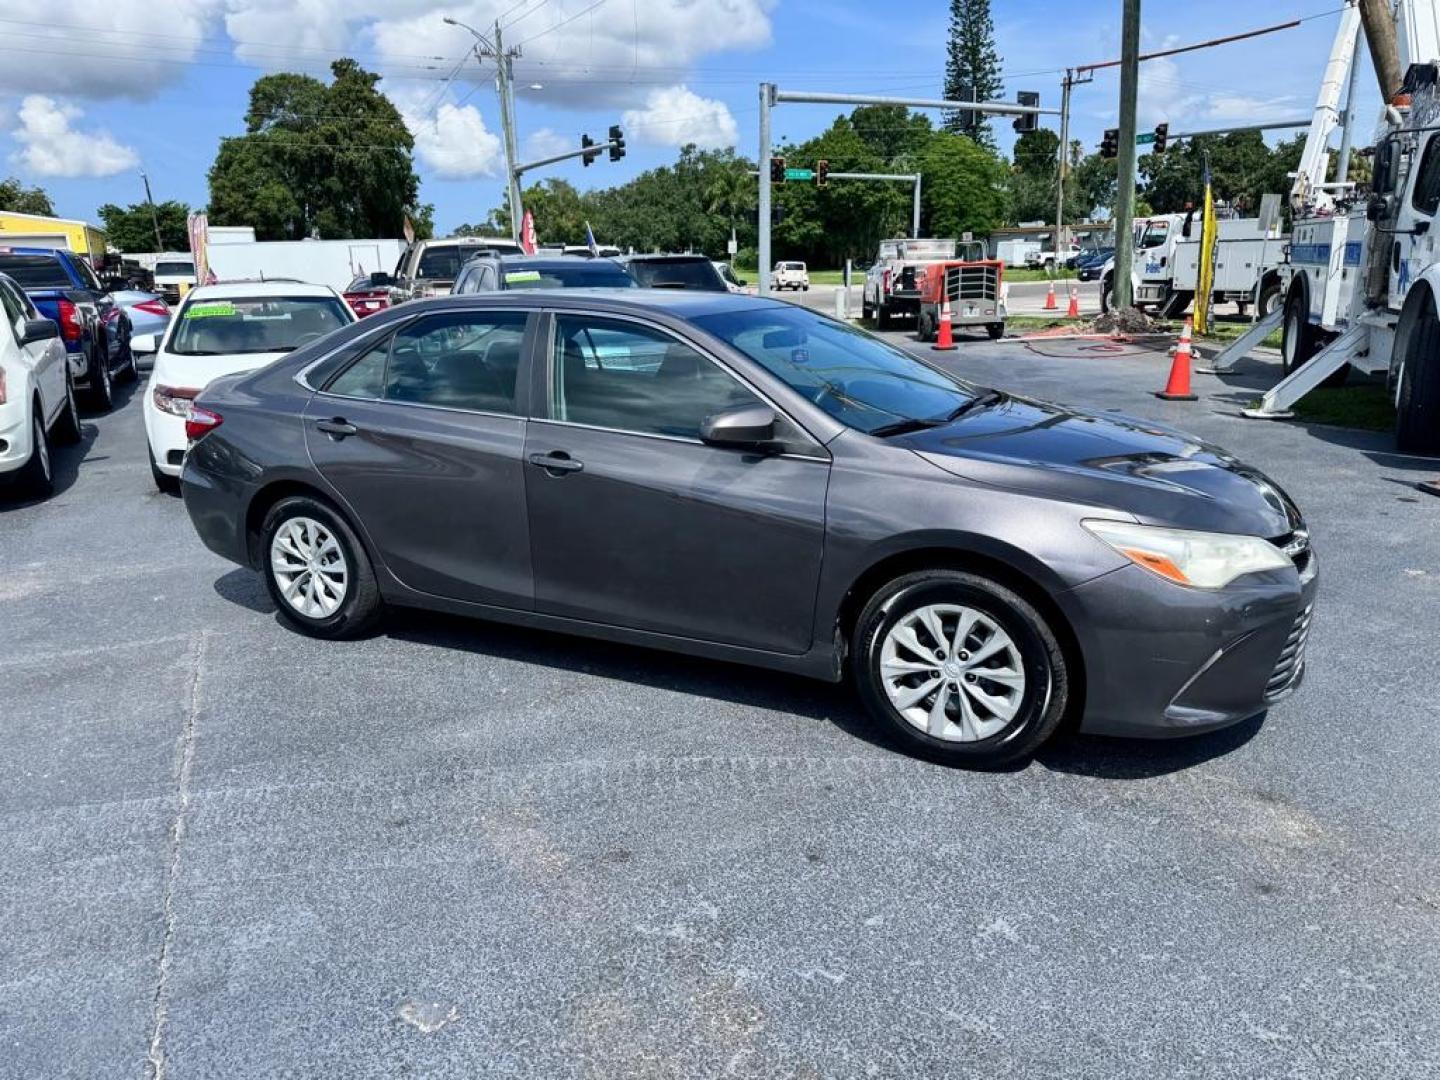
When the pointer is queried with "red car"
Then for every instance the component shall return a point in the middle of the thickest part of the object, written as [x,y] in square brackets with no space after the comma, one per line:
[365,297]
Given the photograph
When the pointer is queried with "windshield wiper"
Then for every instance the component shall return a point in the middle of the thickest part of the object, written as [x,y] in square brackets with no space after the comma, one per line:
[904,427]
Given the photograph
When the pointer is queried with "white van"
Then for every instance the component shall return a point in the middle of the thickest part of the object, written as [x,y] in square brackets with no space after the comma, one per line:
[790,275]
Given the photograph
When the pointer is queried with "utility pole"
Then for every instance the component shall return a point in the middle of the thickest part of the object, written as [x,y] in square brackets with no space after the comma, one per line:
[1064,162]
[1125,159]
[495,50]
[762,255]
[154,217]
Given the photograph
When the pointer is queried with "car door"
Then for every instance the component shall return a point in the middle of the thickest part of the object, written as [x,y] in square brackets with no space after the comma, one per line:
[422,436]
[635,522]
[46,359]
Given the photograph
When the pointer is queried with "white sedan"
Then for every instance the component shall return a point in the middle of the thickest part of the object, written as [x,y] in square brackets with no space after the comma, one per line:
[37,398]
[221,330]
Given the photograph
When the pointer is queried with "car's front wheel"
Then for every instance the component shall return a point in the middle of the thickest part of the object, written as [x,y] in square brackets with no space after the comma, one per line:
[962,668]
[317,571]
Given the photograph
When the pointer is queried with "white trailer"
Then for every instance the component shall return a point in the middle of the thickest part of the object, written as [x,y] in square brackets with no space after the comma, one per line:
[1016,253]
[318,262]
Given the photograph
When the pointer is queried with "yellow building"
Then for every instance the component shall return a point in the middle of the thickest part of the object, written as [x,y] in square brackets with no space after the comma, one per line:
[35,230]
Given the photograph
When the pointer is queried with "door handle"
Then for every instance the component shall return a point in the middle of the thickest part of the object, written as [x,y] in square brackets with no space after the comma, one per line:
[338,428]
[556,463]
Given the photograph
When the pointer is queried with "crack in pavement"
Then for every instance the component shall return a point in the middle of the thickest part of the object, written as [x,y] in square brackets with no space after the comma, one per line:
[155,1055]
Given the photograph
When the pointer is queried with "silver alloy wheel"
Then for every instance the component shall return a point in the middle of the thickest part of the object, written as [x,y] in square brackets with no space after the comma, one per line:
[70,406]
[309,567]
[42,447]
[952,672]
[1290,341]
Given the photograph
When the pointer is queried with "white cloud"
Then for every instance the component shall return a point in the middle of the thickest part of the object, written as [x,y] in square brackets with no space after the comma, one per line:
[676,115]
[546,142]
[49,146]
[115,49]
[453,142]
[607,56]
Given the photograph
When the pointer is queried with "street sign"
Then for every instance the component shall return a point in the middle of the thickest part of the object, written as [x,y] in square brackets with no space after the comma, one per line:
[799,174]
[1144,137]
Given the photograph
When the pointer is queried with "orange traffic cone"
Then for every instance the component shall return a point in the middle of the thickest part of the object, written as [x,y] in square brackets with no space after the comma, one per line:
[1178,387]
[1050,304]
[945,339]
[1074,310]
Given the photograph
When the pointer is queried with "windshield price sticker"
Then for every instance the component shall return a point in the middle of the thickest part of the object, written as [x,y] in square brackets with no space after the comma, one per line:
[522,275]
[209,311]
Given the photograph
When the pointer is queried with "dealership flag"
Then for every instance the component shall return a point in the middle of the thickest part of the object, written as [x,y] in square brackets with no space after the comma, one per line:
[590,241]
[527,234]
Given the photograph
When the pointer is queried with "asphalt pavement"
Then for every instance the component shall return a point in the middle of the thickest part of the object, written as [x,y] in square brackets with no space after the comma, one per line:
[463,850]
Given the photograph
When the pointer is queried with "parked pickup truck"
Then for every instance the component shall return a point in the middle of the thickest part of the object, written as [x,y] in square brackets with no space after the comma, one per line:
[895,279]
[95,330]
[429,267]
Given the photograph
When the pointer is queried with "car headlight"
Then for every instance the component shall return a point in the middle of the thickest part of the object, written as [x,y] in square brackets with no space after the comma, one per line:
[175,400]
[1202,560]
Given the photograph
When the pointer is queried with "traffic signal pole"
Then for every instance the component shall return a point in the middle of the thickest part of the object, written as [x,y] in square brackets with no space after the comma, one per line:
[1125,158]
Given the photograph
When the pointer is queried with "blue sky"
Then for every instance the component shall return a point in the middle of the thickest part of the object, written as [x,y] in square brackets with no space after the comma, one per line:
[88,97]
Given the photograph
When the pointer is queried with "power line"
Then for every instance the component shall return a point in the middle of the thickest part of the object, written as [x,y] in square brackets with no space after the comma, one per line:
[562,22]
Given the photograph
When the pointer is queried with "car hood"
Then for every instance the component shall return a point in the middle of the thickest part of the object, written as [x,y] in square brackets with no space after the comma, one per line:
[199,371]
[1139,467]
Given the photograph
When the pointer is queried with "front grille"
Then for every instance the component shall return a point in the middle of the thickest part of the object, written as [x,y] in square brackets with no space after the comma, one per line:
[1292,658]
[978,283]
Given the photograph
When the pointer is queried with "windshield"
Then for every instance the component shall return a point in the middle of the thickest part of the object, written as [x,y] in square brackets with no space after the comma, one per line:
[35,271]
[858,379]
[582,275]
[1155,233]
[677,274]
[176,269]
[443,262]
[261,324]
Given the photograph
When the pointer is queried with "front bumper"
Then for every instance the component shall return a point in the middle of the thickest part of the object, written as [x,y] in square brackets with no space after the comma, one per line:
[166,434]
[1163,660]
[16,437]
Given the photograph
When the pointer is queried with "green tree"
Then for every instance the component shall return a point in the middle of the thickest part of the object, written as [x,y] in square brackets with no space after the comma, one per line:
[892,132]
[333,160]
[730,193]
[16,197]
[963,188]
[972,66]
[131,228]
[1032,178]
[1089,186]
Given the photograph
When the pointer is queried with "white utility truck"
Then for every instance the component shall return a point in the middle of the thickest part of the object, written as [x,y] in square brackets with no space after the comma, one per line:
[1363,277]
[897,276]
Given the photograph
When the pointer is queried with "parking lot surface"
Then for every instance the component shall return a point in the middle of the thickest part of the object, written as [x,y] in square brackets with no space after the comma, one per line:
[461,850]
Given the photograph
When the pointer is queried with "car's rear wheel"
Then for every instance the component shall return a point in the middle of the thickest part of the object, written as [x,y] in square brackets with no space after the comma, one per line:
[1300,340]
[962,668]
[1417,406]
[102,386]
[317,571]
[996,330]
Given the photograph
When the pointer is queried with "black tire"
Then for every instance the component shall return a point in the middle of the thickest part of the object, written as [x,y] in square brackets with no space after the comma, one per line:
[102,385]
[883,319]
[1417,408]
[996,330]
[170,485]
[1175,303]
[1045,694]
[1107,294]
[923,329]
[129,368]
[866,311]
[361,607]
[1270,298]
[67,428]
[1300,340]
[36,478]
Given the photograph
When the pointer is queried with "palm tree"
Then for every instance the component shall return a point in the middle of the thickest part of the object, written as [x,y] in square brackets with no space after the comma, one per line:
[730,193]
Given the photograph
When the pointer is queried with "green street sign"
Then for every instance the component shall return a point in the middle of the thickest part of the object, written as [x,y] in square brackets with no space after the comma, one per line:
[1144,137]
[799,174]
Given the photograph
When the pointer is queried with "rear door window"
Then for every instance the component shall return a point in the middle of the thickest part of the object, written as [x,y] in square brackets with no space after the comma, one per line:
[1427,182]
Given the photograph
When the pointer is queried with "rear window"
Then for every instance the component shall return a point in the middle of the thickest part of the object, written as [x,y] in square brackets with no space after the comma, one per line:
[583,275]
[35,271]
[677,274]
[176,269]
[259,324]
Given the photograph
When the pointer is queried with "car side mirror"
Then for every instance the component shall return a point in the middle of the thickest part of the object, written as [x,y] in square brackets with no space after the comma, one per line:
[145,343]
[750,426]
[379,279]
[38,330]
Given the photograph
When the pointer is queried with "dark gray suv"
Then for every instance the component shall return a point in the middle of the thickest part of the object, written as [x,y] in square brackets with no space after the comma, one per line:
[743,479]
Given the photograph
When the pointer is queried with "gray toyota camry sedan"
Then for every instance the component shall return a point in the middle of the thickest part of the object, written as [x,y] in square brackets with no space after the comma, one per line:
[742,479]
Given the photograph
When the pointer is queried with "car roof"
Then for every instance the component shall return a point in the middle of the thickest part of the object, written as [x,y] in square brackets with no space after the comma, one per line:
[234,289]
[660,256]
[683,303]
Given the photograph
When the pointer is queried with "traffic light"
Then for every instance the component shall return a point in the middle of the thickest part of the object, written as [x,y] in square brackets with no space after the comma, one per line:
[585,143]
[1027,121]
[1110,145]
[617,142]
[1162,132]
[822,173]
[777,170]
